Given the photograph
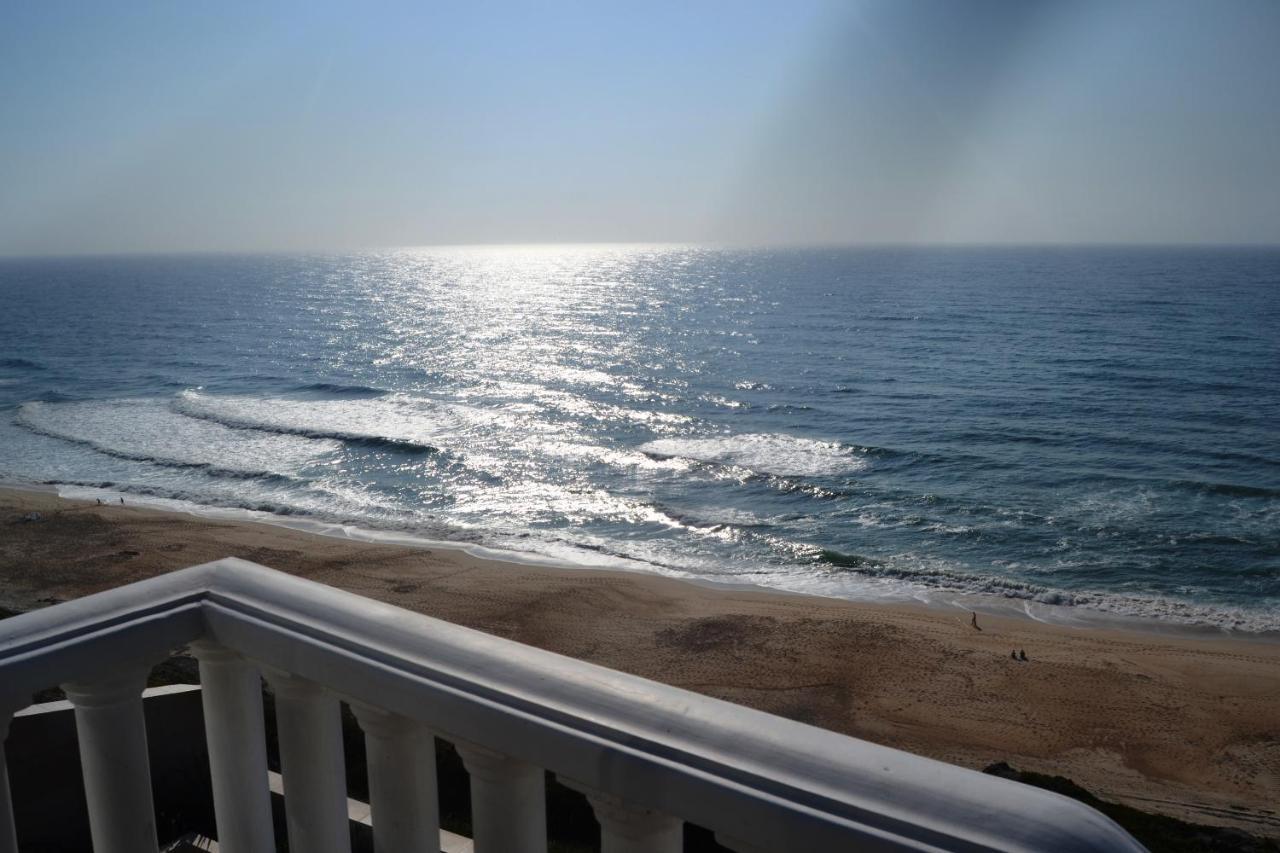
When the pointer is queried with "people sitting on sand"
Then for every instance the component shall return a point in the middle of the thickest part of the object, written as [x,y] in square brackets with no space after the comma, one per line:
[1022,654]
[1013,655]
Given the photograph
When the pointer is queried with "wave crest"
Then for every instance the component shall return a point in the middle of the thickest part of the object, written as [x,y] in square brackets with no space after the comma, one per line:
[318,419]
[776,453]
[147,431]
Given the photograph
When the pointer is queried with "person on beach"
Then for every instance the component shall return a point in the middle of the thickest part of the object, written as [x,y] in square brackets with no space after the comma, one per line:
[1022,654]
[973,620]
[121,501]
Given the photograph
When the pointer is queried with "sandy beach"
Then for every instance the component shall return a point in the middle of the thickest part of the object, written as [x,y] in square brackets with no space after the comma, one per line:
[1178,724]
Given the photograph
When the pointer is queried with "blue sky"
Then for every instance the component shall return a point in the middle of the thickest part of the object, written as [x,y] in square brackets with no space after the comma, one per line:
[174,126]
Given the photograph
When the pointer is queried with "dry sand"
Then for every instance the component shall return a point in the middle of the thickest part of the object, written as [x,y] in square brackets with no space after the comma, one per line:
[1177,724]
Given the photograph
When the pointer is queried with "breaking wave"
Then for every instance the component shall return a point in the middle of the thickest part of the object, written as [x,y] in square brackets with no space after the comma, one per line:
[142,432]
[782,455]
[319,419]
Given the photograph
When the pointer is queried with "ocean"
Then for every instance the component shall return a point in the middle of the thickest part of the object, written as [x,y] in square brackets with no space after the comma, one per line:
[1080,434]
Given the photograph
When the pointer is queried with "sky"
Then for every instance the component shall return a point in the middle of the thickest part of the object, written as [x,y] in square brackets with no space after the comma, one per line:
[161,127]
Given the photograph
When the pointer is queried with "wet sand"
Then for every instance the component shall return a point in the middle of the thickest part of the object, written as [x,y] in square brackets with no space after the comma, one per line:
[1178,724]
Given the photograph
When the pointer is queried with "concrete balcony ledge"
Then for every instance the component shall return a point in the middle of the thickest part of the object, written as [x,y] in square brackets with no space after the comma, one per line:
[638,747]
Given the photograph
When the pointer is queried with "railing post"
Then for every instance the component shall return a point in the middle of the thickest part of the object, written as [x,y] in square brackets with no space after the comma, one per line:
[231,692]
[309,728]
[112,732]
[508,802]
[402,781]
[8,831]
[626,828]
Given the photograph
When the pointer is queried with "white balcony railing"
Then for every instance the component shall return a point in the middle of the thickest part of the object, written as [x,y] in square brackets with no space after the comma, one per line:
[648,756]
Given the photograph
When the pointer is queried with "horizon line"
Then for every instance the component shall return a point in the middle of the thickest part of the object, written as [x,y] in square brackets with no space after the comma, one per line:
[638,244]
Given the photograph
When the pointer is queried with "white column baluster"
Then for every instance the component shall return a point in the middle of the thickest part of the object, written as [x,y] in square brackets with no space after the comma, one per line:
[112,732]
[508,802]
[626,828]
[309,727]
[231,691]
[402,781]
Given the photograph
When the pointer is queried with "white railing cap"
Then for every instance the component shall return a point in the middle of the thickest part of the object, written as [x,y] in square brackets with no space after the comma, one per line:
[749,775]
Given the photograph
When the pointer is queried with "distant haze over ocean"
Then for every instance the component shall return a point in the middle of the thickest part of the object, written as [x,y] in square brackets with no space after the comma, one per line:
[1093,428]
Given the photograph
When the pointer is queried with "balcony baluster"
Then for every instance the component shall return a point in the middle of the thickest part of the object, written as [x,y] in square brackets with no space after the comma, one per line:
[508,802]
[112,732]
[402,781]
[309,728]
[625,828]
[231,691]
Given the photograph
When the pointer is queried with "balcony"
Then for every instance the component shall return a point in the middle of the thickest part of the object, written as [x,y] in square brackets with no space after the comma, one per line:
[648,757]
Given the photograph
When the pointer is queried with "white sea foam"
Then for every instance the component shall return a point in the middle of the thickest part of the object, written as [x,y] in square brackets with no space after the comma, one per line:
[537,398]
[941,582]
[411,423]
[579,452]
[785,455]
[148,431]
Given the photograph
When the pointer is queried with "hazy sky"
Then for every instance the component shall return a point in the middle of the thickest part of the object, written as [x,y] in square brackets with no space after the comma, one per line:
[173,126]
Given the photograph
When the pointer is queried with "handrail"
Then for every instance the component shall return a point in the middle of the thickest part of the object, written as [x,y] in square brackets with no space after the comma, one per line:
[746,774]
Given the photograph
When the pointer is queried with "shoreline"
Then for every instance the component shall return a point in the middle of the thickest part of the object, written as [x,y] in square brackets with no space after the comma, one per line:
[941,599]
[1177,723]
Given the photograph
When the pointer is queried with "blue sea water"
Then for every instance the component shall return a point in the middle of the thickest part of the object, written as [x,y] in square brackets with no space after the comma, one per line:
[1071,431]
